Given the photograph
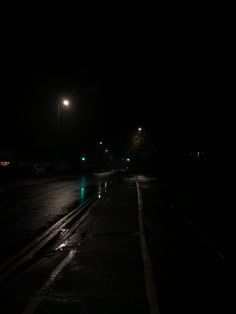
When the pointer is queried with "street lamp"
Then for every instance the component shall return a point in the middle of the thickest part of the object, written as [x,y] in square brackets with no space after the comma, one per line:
[66,103]
[139,129]
[83,160]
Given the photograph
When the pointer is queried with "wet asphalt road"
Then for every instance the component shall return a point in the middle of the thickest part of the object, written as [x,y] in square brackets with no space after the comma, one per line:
[29,207]
[105,274]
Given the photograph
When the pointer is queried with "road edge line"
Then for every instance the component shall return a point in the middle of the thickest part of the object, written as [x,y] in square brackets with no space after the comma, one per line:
[151,290]
[31,308]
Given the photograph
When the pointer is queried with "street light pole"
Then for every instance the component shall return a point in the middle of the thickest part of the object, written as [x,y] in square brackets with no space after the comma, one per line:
[58,126]
[66,103]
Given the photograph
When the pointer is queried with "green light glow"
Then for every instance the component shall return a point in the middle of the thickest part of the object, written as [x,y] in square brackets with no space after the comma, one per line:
[82,191]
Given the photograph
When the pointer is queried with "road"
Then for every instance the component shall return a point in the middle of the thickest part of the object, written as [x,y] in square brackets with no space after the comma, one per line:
[186,252]
[29,207]
[130,250]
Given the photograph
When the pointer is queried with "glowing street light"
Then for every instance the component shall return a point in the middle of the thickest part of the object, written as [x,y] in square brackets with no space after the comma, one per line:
[139,129]
[106,150]
[100,143]
[66,102]
[83,160]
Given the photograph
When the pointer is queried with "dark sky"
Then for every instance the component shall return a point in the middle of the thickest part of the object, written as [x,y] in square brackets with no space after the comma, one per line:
[120,71]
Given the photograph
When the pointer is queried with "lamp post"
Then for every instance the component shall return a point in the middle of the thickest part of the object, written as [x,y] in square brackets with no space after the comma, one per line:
[66,103]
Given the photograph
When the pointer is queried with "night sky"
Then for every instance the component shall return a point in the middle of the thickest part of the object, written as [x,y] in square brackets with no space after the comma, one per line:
[119,71]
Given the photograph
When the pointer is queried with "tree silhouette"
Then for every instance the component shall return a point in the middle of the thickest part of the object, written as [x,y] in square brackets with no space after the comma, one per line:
[142,150]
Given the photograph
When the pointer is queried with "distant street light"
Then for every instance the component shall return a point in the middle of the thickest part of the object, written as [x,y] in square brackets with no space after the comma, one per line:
[106,150]
[139,129]
[83,160]
[100,143]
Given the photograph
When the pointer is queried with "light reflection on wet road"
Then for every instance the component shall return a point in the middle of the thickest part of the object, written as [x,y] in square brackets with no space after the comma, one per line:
[27,210]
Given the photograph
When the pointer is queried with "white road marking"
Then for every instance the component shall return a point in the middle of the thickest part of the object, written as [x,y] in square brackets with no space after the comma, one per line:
[31,308]
[148,272]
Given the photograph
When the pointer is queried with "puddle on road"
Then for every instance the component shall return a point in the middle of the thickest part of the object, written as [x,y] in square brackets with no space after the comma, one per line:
[83,189]
[62,246]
